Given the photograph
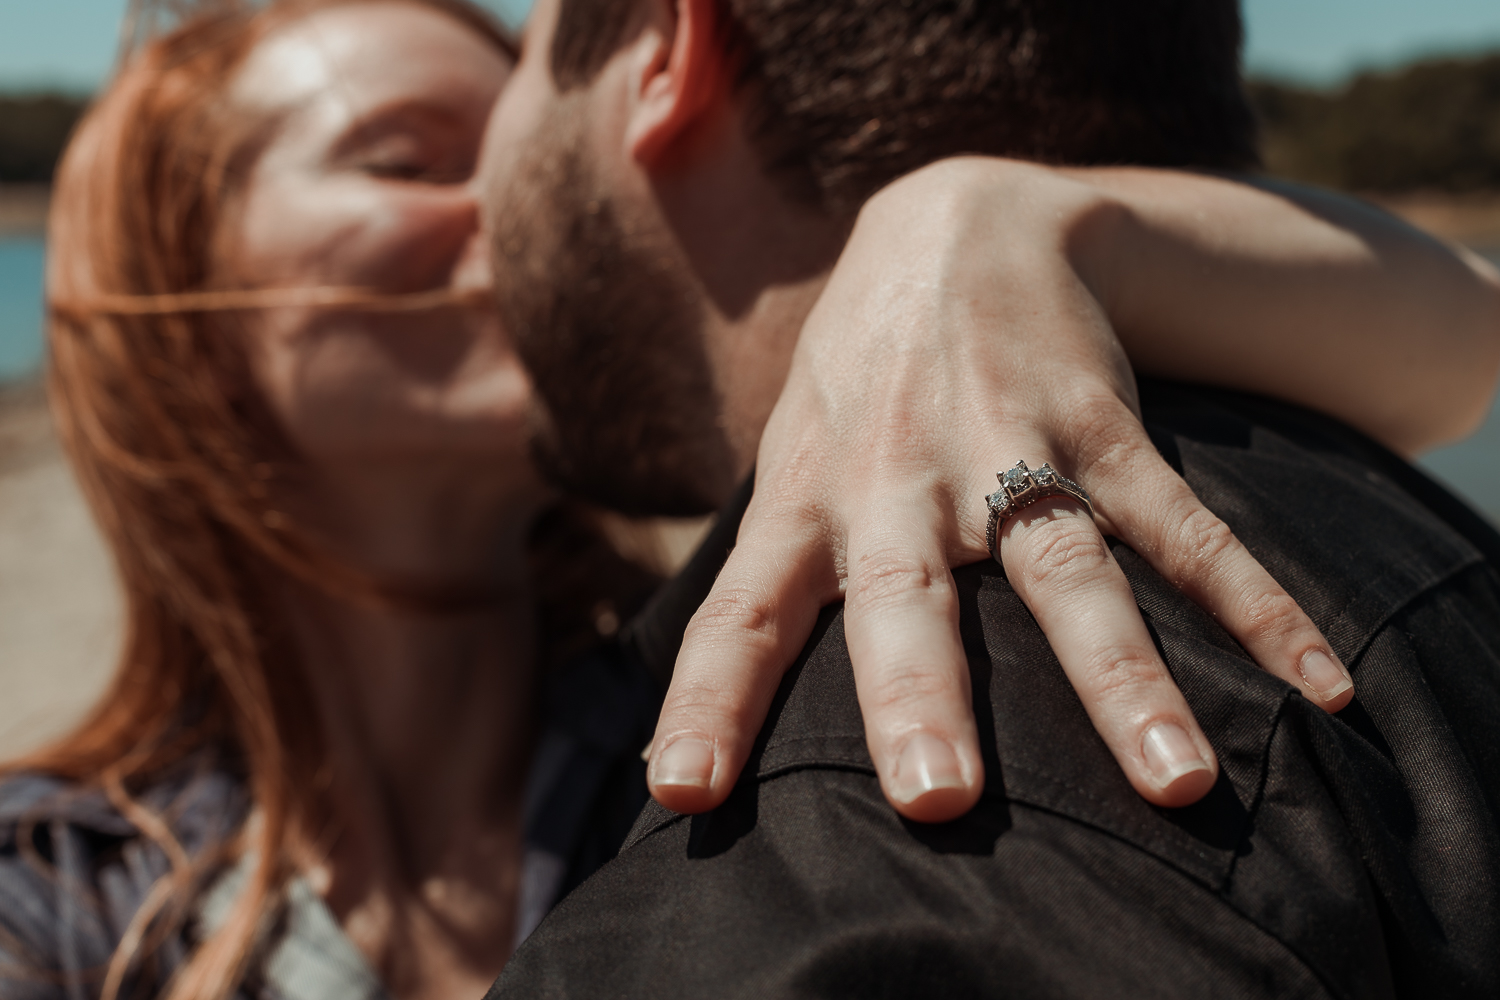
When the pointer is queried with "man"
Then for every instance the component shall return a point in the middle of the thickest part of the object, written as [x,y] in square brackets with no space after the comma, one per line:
[1351,856]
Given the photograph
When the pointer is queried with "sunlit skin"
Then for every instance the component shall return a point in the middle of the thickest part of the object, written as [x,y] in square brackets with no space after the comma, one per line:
[411,428]
[411,437]
[978,315]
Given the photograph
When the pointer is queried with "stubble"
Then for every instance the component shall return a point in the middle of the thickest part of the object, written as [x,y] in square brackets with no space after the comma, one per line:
[626,414]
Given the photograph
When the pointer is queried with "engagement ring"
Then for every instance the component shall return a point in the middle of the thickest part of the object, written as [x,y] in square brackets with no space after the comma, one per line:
[1020,488]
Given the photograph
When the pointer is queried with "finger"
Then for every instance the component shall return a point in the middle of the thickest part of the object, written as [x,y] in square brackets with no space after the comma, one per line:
[910,669]
[737,647]
[1155,512]
[1061,567]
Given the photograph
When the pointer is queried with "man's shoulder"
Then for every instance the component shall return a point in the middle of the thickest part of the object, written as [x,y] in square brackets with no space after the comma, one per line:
[1351,530]
[809,885]
[1332,851]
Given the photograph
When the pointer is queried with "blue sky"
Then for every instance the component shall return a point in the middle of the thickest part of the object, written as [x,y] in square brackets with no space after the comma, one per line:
[71,43]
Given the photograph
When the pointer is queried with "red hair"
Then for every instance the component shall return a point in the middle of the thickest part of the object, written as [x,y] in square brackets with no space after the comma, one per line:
[176,456]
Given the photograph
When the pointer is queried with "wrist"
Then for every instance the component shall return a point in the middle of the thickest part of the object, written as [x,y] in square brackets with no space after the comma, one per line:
[947,204]
[1103,243]
[1010,215]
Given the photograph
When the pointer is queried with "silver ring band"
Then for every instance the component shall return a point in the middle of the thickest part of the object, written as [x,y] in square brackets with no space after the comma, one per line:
[1019,489]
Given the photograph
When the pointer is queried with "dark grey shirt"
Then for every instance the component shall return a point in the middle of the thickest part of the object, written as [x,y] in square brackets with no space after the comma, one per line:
[1348,856]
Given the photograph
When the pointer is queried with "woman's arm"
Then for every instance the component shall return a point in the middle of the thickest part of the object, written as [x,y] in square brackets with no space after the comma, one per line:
[1287,291]
[971,321]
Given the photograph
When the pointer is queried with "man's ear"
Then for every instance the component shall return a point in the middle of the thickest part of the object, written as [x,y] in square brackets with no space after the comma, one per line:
[680,78]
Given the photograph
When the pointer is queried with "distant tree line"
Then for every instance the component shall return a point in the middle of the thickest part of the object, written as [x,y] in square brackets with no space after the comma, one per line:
[1433,125]
[33,131]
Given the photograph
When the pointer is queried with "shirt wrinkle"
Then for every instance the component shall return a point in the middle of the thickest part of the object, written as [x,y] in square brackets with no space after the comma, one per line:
[1353,856]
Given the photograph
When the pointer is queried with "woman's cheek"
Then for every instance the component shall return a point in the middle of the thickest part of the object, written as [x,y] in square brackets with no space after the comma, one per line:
[414,236]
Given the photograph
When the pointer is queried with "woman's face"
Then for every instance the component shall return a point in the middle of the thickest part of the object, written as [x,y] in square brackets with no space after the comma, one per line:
[377,112]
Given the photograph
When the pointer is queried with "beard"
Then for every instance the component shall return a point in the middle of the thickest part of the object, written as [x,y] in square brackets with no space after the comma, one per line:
[626,414]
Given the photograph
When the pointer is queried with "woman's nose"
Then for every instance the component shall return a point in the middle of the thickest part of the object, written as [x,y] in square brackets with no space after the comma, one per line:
[472,272]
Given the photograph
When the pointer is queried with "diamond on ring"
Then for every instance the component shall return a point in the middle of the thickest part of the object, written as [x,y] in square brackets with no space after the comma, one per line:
[1016,480]
[1019,488]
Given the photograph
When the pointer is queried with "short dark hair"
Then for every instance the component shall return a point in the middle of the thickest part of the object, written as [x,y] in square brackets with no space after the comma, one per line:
[848,95]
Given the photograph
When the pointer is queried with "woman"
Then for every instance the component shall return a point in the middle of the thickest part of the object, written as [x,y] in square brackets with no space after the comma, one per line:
[243,151]
[329,763]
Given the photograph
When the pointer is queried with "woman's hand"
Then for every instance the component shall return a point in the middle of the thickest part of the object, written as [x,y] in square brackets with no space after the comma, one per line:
[963,330]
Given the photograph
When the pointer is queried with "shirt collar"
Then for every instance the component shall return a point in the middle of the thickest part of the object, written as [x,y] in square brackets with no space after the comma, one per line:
[655,635]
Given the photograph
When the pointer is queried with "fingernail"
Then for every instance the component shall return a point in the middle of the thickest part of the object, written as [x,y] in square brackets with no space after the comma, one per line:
[1325,675]
[687,762]
[926,764]
[1171,753]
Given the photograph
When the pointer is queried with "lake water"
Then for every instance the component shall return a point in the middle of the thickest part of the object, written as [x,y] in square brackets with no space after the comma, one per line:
[20,307]
[1471,467]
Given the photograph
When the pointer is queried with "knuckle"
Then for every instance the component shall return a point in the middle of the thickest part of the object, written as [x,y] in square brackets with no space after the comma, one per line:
[717,714]
[890,576]
[1114,458]
[1272,616]
[705,704]
[888,432]
[1117,670]
[731,614]
[1060,554]
[782,509]
[1204,539]
[1102,434]
[903,686]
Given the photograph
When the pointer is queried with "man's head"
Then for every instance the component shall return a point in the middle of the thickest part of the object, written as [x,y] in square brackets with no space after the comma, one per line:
[669,180]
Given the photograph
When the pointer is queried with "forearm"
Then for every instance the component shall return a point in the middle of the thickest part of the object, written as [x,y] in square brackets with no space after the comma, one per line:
[1290,292]
[1300,294]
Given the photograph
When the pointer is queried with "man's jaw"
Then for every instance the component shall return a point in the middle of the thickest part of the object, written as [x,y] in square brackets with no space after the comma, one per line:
[627,414]
[658,315]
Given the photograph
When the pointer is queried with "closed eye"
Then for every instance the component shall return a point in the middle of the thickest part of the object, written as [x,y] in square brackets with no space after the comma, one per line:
[411,144]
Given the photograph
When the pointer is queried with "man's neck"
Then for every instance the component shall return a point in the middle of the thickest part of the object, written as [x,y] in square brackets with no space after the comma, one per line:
[761,260]
[750,355]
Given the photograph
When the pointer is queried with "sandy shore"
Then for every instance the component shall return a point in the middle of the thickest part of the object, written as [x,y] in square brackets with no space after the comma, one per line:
[59,604]
[1473,220]
[60,609]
